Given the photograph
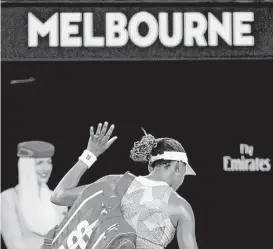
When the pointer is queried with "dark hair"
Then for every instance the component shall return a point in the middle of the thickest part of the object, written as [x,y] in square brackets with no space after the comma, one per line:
[150,146]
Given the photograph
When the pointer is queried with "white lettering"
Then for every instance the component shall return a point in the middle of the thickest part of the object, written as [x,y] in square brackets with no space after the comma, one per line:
[36,27]
[68,29]
[164,37]
[88,30]
[216,28]
[151,36]
[189,28]
[195,33]
[116,25]
[240,29]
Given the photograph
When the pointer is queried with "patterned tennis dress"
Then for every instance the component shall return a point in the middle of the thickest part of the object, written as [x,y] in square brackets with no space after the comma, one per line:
[141,209]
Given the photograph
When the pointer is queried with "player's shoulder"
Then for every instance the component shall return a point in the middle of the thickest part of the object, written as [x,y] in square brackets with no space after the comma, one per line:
[181,203]
[175,198]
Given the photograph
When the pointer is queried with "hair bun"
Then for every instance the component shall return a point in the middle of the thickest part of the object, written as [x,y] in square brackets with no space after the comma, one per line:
[142,149]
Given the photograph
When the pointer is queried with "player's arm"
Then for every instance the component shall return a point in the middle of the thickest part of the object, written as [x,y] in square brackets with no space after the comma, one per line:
[67,191]
[68,196]
[183,218]
[186,227]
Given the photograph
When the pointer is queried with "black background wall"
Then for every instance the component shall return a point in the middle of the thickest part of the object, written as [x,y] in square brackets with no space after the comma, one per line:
[210,106]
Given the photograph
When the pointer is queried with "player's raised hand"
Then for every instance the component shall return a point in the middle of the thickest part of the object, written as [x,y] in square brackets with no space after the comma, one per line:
[100,141]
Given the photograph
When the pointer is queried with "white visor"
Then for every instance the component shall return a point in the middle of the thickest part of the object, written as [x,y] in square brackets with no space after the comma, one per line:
[175,156]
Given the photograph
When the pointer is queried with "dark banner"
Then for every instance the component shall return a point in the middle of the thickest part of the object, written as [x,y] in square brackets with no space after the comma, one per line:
[137,33]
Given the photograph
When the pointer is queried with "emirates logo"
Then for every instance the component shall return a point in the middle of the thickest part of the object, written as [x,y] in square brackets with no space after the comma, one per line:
[247,161]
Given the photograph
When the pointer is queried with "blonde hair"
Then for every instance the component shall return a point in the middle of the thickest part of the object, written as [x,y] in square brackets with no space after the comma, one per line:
[39,213]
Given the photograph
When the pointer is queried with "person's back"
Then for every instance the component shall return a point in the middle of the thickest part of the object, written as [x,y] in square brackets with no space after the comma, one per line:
[150,205]
[142,208]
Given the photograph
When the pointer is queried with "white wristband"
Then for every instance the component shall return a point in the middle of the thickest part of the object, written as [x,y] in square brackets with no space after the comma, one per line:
[88,158]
